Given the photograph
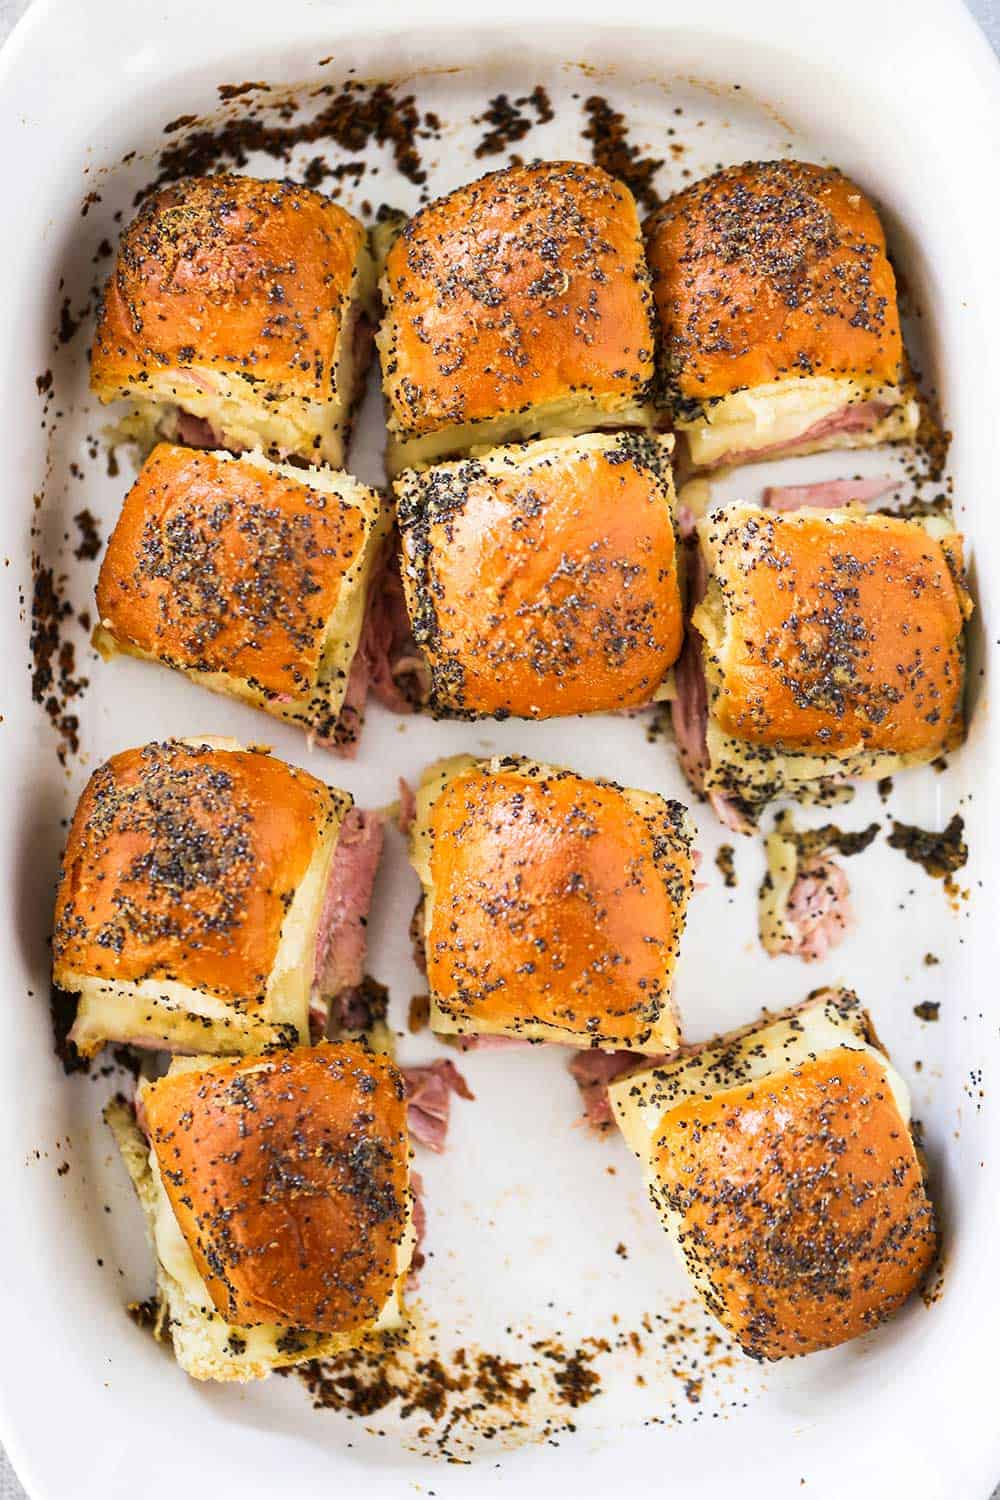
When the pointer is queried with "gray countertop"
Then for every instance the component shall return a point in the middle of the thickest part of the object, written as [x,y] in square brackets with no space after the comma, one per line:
[987,12]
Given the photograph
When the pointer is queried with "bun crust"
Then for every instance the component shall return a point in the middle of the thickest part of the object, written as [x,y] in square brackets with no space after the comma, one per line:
[181,863]
[800,1203]
[542,579]
[224,566]
[770,271]
[555,902]
[288,1177]
[842,632]
[230,273]
[522,289]
[230,567]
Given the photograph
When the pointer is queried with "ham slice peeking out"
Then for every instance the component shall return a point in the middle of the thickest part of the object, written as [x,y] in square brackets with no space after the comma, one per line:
[689,709]
[341,938]
[827,494]
[388,663]
[818,913]
[853,419]
[804,901]
[594,1070]
[428,1091]
[195,432]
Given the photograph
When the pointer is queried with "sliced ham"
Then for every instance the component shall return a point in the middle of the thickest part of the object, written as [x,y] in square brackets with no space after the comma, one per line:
[855,417]
[419,1213]
[804,906]
[852,420]
[689,709]
[730,813]
[827,494]
[341,940]
[407,806]
[817,914]
[593,1070]
[476,1041]
[689,705]
[387,663]
[686,521]
[195,432]
[352,710]
[397,674]
[428,1093]
[819,909]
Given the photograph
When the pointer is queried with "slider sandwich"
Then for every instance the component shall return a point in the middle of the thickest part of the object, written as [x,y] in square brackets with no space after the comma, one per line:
[823,646]
[211,899]
[238,316]
[278,1204]
[255,579]
[542,578]
[553,906]
[777,316]
[517,306]
[782,1163]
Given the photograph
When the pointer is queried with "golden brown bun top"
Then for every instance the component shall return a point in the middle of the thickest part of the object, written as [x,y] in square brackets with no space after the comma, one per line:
[542,578]
[180,864]
[245,276]
[844,631]
[225,566]
[525,287]
[554,899]
[801,1201]
[768,271]
[288,1177]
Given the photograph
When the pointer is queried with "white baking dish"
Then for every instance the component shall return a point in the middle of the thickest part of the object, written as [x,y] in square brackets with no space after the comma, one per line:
[525,1215]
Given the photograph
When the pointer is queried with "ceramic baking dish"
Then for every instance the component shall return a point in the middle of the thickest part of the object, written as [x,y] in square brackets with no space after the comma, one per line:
[539,1234]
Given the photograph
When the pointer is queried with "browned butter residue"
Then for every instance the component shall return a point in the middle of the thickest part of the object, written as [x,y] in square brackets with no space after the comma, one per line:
[940,854]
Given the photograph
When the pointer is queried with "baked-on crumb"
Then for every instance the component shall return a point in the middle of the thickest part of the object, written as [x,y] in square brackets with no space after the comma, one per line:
[607,131]
[940,854]
[724,863]
[510,121]
[355,116]
[55,682]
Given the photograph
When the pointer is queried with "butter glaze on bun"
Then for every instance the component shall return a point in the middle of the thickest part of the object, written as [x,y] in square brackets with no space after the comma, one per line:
[277,1197]
[782,1163]
[832,645]
[516,306]
[288,1177]
[553,905]
[541,579]
[252,578]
